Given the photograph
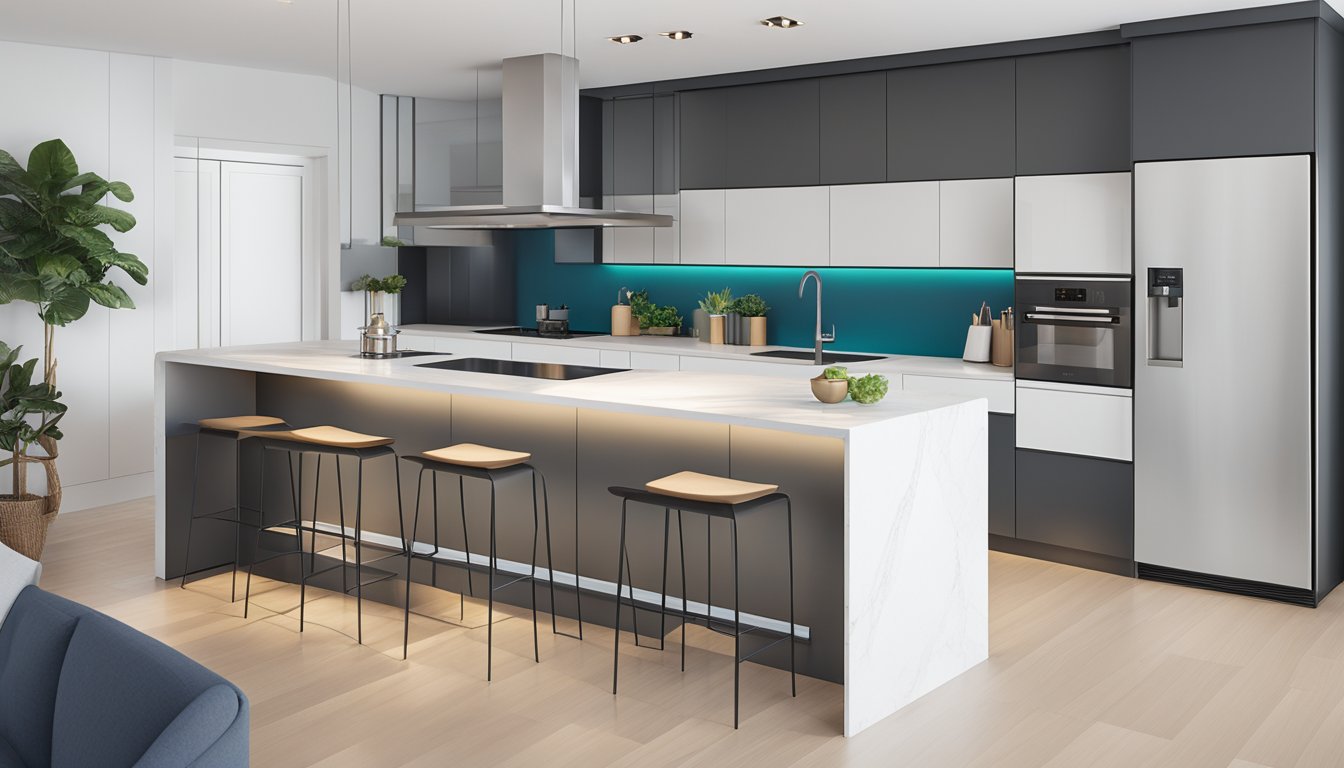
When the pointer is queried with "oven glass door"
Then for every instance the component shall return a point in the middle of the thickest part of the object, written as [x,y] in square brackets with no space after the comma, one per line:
[1075,332]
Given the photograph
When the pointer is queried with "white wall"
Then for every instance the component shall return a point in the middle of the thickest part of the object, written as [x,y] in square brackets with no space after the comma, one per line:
[120,115]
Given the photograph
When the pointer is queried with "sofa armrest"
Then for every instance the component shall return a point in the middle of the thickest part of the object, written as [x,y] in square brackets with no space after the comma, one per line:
[211,732]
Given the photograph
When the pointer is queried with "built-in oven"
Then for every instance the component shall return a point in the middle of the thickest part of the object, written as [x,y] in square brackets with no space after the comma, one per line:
[1076,330]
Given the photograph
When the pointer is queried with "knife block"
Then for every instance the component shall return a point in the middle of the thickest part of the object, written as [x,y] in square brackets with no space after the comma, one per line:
[1001,345]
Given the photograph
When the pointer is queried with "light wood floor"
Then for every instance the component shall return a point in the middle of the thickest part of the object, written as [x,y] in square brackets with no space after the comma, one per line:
[1086,669]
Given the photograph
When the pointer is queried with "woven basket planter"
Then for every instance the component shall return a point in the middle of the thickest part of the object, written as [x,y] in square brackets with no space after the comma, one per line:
[24,521]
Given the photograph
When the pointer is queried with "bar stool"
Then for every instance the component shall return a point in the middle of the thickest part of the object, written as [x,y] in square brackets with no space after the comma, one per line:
[336,442]
[493,465]
[235,429]
[713,497]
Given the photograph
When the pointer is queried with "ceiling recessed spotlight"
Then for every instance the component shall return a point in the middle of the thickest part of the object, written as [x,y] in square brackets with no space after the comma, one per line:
[782,22]
[676,34]
[625,39]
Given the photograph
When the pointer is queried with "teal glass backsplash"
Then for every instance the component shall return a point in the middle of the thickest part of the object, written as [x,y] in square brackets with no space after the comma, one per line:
[895,311]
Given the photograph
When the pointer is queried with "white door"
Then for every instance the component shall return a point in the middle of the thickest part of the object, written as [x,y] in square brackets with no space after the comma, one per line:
[240,239]
[261,253]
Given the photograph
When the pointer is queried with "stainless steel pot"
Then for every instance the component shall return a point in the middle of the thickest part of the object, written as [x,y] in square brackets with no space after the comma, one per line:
[378,344]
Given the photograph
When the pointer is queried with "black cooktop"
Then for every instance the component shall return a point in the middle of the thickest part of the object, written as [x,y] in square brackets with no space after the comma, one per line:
[517,331]
[554,371]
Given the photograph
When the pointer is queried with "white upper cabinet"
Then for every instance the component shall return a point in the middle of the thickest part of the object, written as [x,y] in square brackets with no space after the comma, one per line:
[1074,224]
[667,240]
[885,225]
[628,245]
[702,226]
[787,226]
[975,223]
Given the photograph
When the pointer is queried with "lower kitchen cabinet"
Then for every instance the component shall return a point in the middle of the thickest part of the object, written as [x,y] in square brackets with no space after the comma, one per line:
[1002,475]
[1076,502]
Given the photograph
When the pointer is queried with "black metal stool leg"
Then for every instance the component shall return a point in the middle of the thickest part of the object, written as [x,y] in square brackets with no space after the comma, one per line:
[685,608]
[434,499]
[737,630]
[793,674]
[312,539]
[616,627]
[359,555]
[490,587]
[410,551]
[532,580]
[256,536]
[237,516]
[340,508]
[191,513]
[466,540]
[662,595]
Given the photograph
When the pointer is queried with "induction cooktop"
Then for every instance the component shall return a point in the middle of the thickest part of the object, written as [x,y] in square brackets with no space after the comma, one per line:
[554,371]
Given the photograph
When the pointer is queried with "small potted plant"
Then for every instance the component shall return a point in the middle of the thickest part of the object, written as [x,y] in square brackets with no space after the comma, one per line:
[832,385]
[29,414]
[654,320]
[867,390]
[751,309]
[716,304]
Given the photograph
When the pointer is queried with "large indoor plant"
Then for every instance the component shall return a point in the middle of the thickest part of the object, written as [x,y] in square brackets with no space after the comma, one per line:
[56,255]
[29,414]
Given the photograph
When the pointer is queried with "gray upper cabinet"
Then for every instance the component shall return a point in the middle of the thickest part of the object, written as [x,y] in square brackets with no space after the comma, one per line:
[763,135]
[854,128]
[1073,112]
[773,134]
[1229,92]
[703,118]
[951,121]
[641,145]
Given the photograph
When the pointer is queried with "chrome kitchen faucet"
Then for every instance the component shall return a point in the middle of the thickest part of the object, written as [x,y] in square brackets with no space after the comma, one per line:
[821,338]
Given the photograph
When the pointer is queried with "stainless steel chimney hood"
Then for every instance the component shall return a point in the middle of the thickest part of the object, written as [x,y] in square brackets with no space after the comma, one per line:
[541,150]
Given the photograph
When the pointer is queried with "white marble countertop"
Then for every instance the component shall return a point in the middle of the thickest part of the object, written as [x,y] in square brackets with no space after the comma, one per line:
[772,402]
[684,345]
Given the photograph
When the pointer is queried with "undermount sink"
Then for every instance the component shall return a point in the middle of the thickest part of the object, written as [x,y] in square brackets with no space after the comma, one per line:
[827,358]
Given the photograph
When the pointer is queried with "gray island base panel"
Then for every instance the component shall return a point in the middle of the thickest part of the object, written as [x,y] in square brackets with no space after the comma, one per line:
[889,500]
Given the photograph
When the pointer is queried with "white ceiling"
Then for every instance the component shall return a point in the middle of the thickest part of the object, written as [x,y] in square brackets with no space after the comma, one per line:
[432,47]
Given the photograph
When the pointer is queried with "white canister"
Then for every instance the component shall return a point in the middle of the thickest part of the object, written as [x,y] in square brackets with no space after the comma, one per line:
[978,339]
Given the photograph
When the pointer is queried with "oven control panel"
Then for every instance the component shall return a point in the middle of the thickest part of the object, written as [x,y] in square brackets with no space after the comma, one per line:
[1071,294]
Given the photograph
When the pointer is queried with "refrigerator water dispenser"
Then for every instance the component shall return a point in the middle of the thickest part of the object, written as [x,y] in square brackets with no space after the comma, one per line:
[1165,316]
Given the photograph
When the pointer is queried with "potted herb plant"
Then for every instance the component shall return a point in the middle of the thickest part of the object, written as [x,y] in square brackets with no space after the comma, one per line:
[715,305]
[654,320]
[832,385]
[55,255]
[751,309]
[375,289]
[29,413]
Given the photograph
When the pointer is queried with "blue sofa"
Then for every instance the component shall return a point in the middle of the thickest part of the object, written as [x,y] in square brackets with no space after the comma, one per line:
[79,689]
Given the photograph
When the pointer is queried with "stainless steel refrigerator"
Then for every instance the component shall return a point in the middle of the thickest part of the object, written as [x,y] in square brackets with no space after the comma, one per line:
[1224,395]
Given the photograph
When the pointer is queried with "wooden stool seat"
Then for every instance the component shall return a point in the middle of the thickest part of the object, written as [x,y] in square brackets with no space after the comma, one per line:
[711,488]
[239,423]
[329,437]
[478,456]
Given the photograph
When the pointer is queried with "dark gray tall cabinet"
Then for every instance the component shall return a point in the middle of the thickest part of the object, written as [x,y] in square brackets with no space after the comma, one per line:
[951,121]
[1073,111]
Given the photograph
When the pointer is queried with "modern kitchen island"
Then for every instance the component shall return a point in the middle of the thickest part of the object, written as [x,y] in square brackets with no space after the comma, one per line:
[889,500]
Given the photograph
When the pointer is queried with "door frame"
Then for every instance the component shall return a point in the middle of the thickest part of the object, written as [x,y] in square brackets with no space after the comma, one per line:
[319,259]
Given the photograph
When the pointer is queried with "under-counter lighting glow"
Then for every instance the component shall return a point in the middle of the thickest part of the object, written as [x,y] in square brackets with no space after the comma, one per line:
[677,34]
[625,39]
[781,22]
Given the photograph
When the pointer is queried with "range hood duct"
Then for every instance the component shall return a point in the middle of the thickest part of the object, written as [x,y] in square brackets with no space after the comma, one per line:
[541,158]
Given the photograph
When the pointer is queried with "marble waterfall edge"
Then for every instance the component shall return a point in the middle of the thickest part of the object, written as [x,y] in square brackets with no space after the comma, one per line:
[917,591]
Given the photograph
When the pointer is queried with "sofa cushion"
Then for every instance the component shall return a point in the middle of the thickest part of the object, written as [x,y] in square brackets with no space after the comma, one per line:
[194,730]
[8,757]
[118,691]
[16,572]
[33,642]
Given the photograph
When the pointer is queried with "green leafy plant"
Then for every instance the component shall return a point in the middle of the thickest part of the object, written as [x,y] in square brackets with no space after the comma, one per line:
[836,372]
[651,315]
[717,302]
[55,254]
[29,413]
[867,389]
[751,305]
[389,241]
[390,284]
